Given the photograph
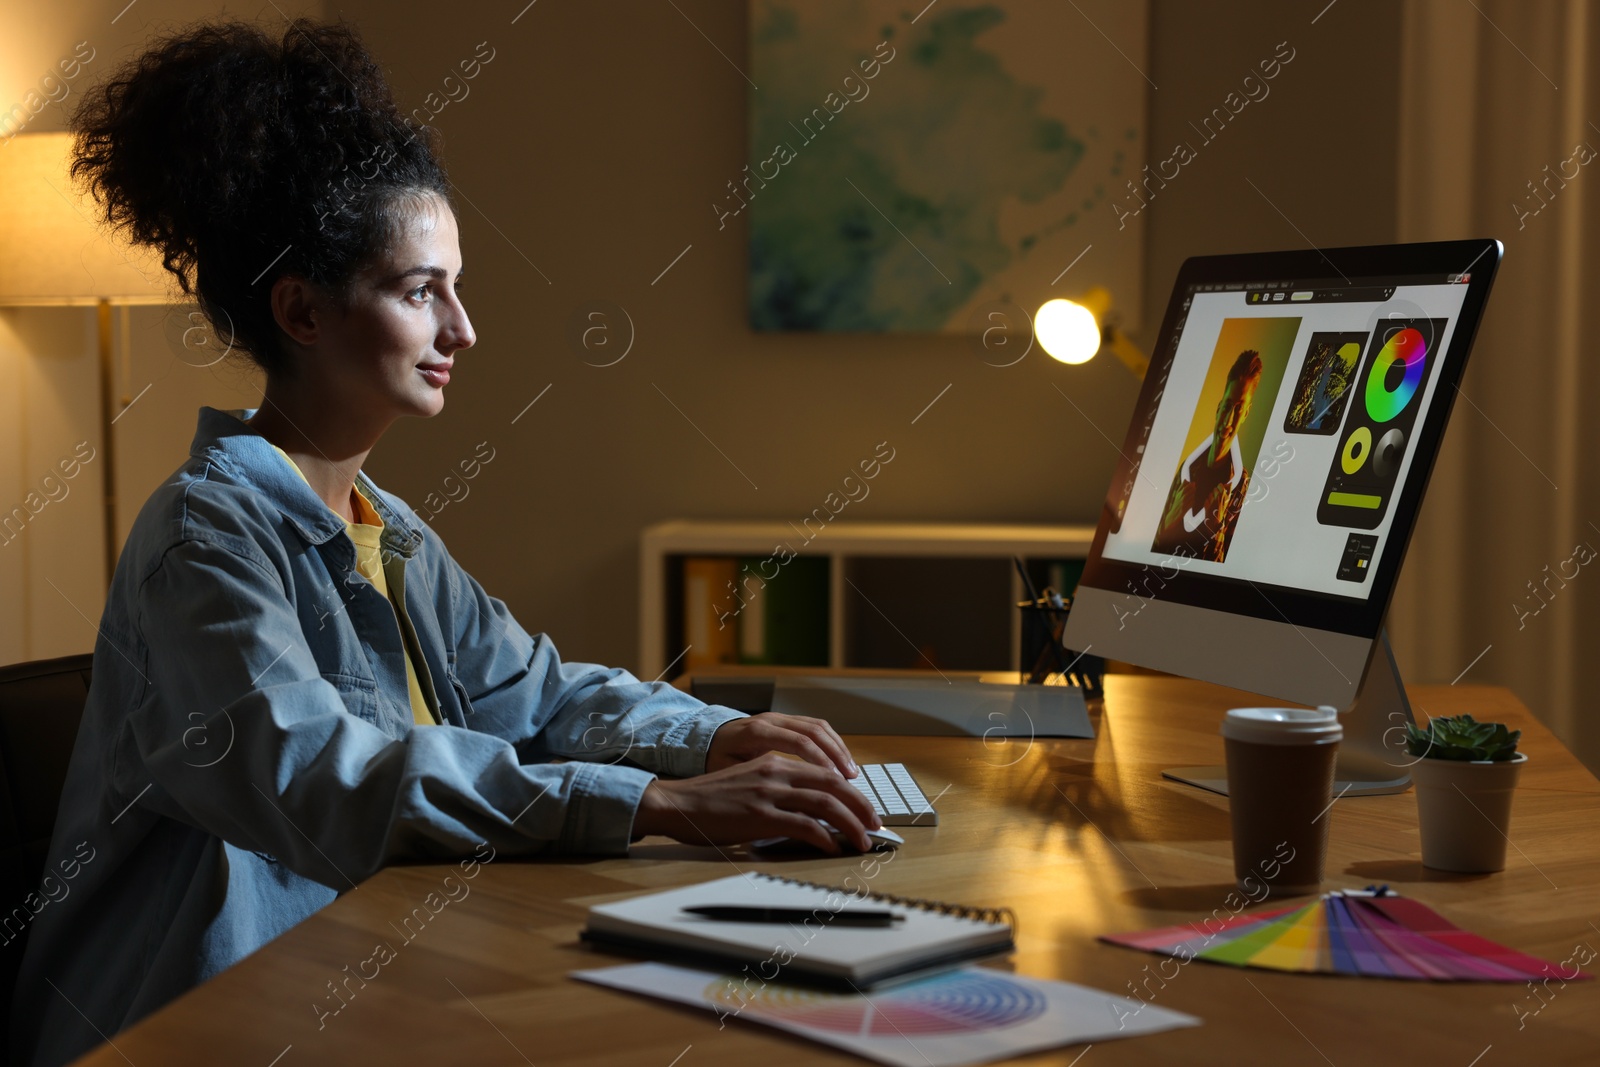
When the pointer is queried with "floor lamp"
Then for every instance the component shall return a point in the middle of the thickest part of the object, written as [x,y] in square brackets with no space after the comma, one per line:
[54,252]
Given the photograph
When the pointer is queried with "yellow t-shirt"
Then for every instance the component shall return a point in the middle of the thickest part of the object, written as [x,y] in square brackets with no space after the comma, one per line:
[365,533]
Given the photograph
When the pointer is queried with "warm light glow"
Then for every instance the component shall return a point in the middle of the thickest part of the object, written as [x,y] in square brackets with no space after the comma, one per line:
[53,249]
[1067,330]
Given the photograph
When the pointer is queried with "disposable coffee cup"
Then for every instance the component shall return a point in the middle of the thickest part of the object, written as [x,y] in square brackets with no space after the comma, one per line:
[1280,795]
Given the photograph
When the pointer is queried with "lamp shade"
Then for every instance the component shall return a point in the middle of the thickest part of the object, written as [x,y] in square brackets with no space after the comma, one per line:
[53,247]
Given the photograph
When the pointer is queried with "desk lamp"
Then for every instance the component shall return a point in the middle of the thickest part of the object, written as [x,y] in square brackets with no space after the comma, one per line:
[1074,330]
[54,253]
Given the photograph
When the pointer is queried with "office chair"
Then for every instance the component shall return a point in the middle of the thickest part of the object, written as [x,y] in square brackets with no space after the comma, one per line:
[41,705]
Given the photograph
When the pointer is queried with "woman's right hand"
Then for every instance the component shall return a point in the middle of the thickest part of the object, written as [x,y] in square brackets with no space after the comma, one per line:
[769,796]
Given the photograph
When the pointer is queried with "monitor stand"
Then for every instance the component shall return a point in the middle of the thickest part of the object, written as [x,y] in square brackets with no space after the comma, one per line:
[1372,756]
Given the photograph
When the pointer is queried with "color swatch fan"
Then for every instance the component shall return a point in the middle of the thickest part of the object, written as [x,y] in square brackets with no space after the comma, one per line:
[1372,932]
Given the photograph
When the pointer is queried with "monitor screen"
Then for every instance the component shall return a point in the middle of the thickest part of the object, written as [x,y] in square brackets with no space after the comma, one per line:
[1275,460]
[1272,474]
[1329,385]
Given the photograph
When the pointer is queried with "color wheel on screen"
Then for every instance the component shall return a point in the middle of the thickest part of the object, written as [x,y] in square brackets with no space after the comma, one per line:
[1381,423]
[1374,933]
[1408,348]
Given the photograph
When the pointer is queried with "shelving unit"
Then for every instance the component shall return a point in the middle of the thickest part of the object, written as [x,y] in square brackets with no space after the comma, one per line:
[982,584]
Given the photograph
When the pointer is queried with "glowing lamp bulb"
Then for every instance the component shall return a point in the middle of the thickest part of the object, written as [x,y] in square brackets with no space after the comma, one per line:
[1067,331]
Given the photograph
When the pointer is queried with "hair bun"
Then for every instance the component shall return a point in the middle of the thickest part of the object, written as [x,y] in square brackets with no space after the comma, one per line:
[232,152]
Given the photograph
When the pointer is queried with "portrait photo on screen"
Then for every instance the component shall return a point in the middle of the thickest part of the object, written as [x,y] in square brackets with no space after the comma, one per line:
[1211,484]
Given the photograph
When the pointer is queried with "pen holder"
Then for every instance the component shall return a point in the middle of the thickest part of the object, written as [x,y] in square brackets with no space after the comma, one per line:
[1043,654]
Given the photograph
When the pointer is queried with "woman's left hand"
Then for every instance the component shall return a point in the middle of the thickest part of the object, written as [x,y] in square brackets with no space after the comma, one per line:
[813,740]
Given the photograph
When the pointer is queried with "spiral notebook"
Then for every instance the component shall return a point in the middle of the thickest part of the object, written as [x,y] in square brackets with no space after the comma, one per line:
[932,936]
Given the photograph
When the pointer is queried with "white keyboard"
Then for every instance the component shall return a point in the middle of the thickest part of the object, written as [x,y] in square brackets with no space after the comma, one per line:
[894,795]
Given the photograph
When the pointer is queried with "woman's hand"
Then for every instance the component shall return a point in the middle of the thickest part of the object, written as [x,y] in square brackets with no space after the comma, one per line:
[768,796]
[813,740]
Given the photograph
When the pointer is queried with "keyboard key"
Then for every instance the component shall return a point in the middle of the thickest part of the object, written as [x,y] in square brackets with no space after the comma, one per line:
[890,796]
[908,788]
[895,795]
[867,791]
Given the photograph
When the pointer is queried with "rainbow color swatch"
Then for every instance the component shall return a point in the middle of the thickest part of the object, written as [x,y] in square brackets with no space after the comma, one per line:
[1375,933]
[1406,346]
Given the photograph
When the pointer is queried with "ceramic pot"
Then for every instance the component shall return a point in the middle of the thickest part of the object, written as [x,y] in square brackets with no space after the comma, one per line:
[1464,811]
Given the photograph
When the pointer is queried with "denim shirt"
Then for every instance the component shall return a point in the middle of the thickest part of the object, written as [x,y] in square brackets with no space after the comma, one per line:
[248,750]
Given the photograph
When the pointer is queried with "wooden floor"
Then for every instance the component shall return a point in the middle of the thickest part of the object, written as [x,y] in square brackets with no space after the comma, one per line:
[1079,837]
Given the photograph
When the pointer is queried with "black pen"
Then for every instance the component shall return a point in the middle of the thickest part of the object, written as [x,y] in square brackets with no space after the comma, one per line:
[738,914]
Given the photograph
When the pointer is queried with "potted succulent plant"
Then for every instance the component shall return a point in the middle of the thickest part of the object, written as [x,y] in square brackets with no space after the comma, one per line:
[1464,773]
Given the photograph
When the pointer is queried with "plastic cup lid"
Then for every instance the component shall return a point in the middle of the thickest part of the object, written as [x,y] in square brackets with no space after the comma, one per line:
[1283,726]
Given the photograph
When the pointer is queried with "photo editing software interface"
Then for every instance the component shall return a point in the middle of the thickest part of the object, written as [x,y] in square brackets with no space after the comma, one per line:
[1279,430]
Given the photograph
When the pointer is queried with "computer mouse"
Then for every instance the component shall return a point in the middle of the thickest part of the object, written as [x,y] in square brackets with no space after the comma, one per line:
[883,840]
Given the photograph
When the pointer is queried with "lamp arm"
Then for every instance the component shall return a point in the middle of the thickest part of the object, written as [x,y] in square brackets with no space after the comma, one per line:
[1132,355]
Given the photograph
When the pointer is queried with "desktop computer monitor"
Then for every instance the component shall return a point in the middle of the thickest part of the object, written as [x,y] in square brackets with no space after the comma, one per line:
[1272,474]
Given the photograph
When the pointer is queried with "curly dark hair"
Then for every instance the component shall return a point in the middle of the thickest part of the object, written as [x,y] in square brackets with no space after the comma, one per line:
[1246,370]
[243,159]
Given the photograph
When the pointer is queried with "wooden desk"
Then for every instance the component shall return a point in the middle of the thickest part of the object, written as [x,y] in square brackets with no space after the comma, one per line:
[1080,837]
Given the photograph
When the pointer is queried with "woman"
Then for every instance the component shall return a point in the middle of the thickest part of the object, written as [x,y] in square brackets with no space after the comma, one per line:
[294,683]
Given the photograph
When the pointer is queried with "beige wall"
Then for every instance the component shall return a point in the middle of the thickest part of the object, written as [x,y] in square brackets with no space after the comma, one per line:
[52,566]
[587,156]
[594,144]
[1320,149]
[52,583]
